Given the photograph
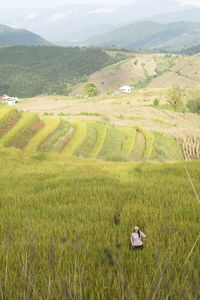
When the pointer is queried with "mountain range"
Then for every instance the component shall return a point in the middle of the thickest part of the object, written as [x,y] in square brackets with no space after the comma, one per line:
[171,37]
[79,22]
[11,37]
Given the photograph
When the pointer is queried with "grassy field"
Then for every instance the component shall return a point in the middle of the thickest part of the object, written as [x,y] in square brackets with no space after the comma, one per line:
[66,225]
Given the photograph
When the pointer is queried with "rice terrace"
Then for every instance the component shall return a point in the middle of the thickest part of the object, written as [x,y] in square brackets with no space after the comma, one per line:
[100,151]
[73,184]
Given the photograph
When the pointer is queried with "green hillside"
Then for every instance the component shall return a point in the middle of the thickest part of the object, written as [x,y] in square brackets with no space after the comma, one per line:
[11,37]
[30,71]
[169,37]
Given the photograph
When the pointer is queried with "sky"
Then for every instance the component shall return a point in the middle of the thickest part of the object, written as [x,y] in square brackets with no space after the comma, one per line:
[53,3]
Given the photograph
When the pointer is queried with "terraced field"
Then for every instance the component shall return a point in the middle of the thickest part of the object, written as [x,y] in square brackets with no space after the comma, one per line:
[90,139]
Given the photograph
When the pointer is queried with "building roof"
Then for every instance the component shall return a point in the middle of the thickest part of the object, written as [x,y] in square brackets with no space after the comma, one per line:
[125,87]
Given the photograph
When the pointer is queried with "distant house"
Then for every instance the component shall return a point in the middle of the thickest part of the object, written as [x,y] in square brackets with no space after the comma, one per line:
[9,100]
[4,97]
[12,101]
[126,89]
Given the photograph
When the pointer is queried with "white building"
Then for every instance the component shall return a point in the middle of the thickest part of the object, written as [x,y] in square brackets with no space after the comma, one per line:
[12,101]
[126,89]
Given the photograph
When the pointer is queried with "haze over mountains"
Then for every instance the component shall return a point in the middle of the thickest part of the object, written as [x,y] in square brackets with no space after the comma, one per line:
[172,37]
[71,23]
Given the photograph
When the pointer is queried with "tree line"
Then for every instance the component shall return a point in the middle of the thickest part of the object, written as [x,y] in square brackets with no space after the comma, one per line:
[31,71]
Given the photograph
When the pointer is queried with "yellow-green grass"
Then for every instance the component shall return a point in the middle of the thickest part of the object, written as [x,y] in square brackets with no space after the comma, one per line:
[149,141]
[89,142]
[66,225]
[51,123]
[5,112]
[25,122]
[129,143]
[166,148]
[112,148]
[101,135]
[78,138]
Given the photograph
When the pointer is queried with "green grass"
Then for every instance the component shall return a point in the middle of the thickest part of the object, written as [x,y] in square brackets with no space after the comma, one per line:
[149,141]
[89,142]
[5,112]
[165,63]
[25,122]
[58,235]
[132,118]
[82,114]
[78,138]
[129,143]
[101,135]
[51,123]
[165,148]
[112,148]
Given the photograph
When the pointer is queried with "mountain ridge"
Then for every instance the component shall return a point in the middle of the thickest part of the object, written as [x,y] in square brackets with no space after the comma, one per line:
[20,37]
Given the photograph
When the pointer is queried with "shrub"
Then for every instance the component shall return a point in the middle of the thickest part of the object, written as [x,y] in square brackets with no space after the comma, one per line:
[156,102]
[194,106]
[90,89]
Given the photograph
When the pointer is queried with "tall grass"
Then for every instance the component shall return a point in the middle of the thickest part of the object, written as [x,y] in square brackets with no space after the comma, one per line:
[78,138]
[60,239]
[129,143]
[149,141]
[53,144]
[112,148]
[89,142]
[101,135]
[25,122]
[51,123]
[5,112]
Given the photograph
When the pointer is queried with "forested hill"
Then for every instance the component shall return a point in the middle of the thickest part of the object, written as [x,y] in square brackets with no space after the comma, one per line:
[10,37]
[192,50]
[30,71]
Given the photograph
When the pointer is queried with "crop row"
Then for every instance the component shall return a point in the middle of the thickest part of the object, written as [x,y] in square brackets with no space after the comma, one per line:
[25,122]
[50,125]
[190,146]
[90,139]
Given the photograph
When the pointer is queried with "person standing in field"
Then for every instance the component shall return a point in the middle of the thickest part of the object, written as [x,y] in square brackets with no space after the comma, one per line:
[136,240]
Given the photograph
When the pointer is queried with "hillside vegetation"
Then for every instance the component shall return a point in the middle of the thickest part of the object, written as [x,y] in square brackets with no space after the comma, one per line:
[30,71]
[171,37]
[184,74]
[136,70]
[11,37]
[66,226]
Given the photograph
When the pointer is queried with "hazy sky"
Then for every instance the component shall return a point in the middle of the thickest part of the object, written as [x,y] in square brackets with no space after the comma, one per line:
[51,3]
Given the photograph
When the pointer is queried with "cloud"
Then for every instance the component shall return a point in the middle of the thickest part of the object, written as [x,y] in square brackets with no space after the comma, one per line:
[60,16]
[101,10]
[189,2]
[57,17]
[31,16]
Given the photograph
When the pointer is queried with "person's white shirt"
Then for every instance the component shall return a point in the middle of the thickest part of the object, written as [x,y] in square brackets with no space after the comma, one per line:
[136,240]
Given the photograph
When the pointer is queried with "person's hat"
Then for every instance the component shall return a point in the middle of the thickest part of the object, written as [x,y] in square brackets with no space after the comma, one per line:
[136,227]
